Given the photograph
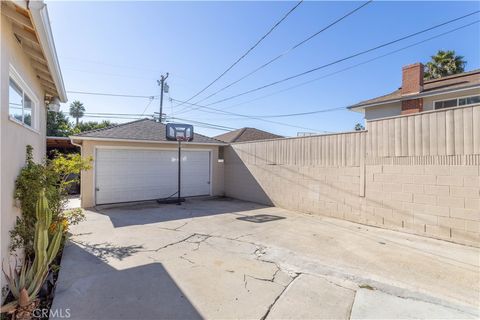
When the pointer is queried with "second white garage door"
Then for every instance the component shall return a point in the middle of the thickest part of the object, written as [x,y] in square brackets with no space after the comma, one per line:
[124,175]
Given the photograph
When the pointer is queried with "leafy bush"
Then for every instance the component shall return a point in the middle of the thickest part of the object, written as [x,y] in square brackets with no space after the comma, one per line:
[54,176]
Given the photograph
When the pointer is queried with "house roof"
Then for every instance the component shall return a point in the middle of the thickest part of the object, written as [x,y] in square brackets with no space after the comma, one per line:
[139,130]
[31,26]
[60,142]
[246,134]
[447,84]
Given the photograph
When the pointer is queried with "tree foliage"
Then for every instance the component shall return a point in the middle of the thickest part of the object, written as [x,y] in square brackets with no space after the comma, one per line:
[359,127]
[77,110]
[444,63]
[93,125]
[58,125]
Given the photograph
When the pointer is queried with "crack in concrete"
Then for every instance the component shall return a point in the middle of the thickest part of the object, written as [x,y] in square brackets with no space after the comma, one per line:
[174,229]
[332,282]
[186,259]
[205,237]
[179,227]
[245,282]
[239,237]
[351,306]
[279,296]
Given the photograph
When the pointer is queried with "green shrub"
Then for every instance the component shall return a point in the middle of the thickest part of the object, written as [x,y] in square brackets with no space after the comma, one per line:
[54,176]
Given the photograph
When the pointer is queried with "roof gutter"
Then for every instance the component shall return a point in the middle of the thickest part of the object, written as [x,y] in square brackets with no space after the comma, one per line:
[415,96]
[41,21]
[78,138]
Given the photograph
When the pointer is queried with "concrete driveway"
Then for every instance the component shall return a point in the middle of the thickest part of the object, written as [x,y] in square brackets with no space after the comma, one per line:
[224,258]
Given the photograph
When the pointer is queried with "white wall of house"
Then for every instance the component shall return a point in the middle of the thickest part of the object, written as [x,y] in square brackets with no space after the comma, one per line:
[14,137]
[383,111]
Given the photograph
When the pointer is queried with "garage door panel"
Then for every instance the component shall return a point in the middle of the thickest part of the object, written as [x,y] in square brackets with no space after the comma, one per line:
[124,175]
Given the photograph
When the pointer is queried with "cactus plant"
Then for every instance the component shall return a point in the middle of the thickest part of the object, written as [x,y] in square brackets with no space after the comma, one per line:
[26,283]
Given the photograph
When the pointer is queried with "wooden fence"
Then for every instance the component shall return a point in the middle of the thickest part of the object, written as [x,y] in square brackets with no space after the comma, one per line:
[449,136]
[333,150]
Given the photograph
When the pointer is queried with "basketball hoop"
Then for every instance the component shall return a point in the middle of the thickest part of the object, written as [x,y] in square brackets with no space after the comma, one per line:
[178,132]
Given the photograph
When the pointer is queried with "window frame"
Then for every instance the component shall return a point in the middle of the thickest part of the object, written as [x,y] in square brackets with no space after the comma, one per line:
[458,100]
[26,90]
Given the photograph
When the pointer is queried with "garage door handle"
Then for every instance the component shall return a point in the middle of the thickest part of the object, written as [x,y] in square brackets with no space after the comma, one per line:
[97,189]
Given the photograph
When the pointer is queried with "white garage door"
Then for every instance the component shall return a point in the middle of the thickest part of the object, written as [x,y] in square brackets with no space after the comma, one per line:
[124,175]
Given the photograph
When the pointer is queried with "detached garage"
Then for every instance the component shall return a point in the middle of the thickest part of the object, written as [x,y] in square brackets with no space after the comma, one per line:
[135,162]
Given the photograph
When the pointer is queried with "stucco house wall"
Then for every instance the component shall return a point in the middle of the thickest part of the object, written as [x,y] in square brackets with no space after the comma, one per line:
[383,111]
[88,177]
[14,137]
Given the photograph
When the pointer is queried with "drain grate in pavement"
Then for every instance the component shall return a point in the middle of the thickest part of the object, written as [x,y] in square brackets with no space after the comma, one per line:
[261,218]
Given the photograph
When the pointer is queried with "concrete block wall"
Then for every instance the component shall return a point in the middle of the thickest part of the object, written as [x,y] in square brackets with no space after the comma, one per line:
[440,201]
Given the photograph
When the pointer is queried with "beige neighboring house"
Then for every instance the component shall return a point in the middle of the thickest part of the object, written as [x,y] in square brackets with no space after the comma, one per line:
[135,162]
[419,95]
[30,80]
[246,134]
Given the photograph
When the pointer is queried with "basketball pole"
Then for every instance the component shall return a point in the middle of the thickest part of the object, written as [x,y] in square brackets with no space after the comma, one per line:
[179,170]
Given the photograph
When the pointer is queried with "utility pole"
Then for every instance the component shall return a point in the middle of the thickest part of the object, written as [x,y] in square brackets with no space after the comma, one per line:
[161,83]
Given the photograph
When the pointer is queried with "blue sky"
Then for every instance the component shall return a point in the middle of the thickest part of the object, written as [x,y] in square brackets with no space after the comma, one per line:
[123,47]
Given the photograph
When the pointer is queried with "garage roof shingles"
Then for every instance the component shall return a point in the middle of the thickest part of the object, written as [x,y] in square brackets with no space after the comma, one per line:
[246,134]
[141,130]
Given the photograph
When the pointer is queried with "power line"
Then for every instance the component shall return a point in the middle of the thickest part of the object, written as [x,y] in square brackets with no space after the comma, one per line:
[299,113]
[148,105]
[221,111]
[345,69]
[289,50]
[353,66]
[112,117]
[342,59]
[249,50]
[137,116]
[117,114]
[112,94]
[251,117]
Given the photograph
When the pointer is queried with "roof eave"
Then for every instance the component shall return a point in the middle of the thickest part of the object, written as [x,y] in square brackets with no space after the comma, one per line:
[41,21]
[362,107]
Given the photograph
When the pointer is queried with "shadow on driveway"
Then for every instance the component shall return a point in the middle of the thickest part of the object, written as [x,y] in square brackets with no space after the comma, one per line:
[151,212]
[94,290]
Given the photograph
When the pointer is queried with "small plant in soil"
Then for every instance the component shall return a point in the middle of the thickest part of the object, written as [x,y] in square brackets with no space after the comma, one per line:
[26,283]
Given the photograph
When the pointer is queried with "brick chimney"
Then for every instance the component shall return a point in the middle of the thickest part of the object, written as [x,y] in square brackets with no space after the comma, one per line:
[412,83]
